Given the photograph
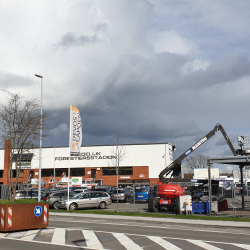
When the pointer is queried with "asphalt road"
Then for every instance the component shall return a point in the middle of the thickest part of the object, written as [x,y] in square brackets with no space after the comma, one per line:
[117,234]
[171,230]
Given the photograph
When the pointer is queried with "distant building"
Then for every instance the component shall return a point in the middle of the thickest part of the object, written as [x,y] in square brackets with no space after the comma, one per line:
[142,164]
[224,180]
[202,173]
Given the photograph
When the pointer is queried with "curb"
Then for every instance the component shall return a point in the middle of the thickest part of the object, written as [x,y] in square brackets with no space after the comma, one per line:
[167,220]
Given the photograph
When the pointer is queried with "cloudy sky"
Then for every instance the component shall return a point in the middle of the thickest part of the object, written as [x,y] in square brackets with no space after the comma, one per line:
[163,71]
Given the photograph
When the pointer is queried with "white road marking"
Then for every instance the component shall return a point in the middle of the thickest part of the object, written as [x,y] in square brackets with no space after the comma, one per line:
[184,228]
[244,246]
[3,235]
[126,241]
[163,243]
[93,242]
[91,239]
[204,245]
[30,235]
[16,234]
[58,236]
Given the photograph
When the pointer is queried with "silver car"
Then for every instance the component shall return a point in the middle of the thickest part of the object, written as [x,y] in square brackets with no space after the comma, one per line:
[55,197]
[87,200]
[24,194]
[123,195]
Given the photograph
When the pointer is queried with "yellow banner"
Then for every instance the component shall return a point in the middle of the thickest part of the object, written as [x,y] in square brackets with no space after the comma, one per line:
[75,132]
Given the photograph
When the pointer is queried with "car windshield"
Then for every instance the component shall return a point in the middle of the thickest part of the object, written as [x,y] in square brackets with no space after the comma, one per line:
[101,189]
[119,191]
[78,196]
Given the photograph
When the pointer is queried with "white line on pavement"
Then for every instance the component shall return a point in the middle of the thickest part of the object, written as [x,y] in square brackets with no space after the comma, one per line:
[204,245]
[242,246]
[30,235]
[3,235]
[91,239]
[163,243]
[58,236]
[126,242]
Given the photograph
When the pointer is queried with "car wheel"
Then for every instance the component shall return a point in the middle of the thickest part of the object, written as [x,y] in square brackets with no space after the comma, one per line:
[55,205]
[154,205]
[177,207]
[73,206]
[102,205]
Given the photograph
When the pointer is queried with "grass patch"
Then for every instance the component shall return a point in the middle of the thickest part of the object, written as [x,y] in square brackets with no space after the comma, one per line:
[159,215]
[20,201]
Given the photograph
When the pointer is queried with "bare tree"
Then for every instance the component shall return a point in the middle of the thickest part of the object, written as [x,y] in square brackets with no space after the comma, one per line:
[195,161]
[20,122]
[120,154]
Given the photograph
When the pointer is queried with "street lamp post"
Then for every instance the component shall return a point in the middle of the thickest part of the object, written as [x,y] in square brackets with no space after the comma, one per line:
[40,150]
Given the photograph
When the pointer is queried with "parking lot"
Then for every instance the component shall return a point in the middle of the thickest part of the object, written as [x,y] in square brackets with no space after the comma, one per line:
[234,208]
[141,207]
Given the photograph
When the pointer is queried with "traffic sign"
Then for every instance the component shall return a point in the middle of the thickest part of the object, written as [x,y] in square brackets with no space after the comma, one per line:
[38,211]
[51,180]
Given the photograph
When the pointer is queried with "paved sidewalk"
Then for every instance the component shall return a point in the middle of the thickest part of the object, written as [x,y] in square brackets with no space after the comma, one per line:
[138,218]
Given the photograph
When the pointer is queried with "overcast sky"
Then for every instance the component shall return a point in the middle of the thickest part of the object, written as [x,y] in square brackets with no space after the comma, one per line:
[161,70]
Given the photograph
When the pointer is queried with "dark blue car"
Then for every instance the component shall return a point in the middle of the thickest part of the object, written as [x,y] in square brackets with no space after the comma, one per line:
[141,193]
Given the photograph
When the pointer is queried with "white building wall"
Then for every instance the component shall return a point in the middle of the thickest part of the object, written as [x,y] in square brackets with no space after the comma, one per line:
[2,159]
[237,176]
[155,156]
[202,173]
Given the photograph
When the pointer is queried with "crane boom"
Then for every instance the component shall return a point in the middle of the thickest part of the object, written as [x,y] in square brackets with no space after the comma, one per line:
[175,166]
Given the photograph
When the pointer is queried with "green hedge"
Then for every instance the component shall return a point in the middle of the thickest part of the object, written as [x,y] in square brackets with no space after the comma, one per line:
[20,201]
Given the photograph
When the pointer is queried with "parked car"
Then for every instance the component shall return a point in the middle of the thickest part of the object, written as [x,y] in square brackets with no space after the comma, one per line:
[152,191]
[89,199]
[106,189]
[123,195]
[77,191]
[141,193]
[55,197]
[22,194]
[83,188]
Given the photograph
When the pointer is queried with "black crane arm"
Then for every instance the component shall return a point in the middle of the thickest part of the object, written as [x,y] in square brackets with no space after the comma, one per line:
[175,166]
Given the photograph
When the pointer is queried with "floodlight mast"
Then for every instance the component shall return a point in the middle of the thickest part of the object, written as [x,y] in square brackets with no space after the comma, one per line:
[40,149]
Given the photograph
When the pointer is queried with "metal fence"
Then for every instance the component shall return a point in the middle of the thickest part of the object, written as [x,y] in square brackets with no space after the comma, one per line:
[4,192]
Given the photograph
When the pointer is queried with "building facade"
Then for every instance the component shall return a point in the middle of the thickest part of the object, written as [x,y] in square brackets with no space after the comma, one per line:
[139,164]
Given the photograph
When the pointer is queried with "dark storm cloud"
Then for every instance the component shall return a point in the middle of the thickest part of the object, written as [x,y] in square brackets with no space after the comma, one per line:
[141,97]
[230,68]
[70,40]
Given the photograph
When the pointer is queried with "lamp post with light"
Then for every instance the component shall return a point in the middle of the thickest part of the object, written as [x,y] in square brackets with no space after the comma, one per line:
[40,150]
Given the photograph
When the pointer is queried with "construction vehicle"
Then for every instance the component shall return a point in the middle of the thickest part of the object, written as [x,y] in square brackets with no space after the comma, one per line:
[167,195]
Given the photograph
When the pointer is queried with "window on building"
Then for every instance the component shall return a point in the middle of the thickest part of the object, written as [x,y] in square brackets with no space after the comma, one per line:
[126,171]
[108,171]
[122,171]
[1,173]
[77,172]
[14,173]
[31,174]
[47,172]
[59,172]
[73,172]
[20,173]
